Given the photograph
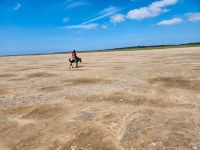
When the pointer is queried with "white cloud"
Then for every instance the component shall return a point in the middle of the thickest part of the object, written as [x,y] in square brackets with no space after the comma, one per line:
[86,26]
[97,18]
[118,18]
[17,7]
[104,26]
[70,4]
[66,19]
[104,13]
[110,9]
[171,21]
[163,3]
[193,17]
[153,10]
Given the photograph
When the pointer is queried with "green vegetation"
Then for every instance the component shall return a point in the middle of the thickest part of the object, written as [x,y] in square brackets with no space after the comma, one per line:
[149,47]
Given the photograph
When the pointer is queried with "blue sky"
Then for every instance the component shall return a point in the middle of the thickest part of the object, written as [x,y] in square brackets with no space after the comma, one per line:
[33,26]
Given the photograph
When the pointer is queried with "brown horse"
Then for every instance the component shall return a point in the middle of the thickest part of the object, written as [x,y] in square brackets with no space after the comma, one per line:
[77,60]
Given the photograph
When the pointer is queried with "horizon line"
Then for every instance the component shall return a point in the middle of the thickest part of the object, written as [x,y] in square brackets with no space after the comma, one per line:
[109,49]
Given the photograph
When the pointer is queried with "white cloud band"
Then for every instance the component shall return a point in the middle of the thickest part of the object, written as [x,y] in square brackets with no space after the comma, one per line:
[193,17]
[153,10]
[118,18]
[86,26]
[171,22]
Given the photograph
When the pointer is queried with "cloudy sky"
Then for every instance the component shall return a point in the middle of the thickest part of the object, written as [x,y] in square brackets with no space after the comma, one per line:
[33,26]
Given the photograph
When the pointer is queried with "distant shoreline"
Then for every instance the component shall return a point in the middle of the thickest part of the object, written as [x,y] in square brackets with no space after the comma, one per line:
[134,48]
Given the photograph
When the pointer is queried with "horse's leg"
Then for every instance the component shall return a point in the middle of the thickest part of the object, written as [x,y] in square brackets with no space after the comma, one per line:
[71,65]
[76,64]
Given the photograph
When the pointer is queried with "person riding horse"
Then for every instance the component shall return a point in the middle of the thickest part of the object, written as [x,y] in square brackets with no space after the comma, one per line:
[74,56]
[75,59]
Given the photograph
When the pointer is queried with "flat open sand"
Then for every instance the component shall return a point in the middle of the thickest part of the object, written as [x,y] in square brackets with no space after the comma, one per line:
[131,100]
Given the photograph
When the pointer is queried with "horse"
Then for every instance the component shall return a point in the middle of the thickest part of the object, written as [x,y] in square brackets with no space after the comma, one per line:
[77,60]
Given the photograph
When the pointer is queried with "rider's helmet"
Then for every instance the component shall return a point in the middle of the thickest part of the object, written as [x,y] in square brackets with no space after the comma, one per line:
[74,51]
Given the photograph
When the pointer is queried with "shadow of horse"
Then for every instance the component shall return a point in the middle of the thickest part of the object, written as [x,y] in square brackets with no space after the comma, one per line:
[76,61]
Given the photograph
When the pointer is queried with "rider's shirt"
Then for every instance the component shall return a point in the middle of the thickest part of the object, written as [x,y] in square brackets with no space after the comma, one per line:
[73,55]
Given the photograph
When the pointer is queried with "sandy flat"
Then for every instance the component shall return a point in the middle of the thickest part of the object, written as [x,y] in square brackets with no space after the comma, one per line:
[131,100]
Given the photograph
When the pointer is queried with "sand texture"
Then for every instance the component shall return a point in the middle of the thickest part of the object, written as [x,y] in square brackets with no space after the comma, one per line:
[131,100]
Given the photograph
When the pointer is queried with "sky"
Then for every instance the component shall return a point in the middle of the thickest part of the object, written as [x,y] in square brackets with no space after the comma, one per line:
[46,26]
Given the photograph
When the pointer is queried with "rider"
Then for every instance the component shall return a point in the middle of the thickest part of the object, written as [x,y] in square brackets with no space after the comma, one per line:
[74,56]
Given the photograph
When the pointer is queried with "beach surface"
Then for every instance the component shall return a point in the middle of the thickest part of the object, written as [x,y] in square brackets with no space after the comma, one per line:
[121,100]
